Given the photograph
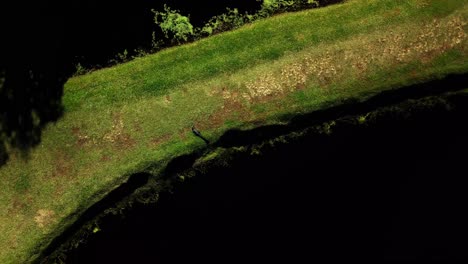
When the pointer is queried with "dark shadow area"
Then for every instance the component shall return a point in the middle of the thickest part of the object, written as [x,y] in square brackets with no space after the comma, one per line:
[392,190]
[99,30]
[43,42]
[33,70]
[178,163]
[96,31]
[236,137]
[124,190]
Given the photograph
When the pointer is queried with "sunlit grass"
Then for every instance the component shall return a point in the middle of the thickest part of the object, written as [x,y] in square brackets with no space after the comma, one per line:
[119,120]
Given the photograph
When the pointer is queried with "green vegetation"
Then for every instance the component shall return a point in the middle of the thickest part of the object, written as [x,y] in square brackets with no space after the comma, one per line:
[123,119]
[177,29]
[174,25]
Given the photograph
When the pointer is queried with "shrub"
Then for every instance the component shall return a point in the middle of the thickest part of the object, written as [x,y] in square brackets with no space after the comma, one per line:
[80,70]
[227,21]
[177,28]
[156,44]
[120,58]
[174,25]
[233,19]
[139,52]
[270,7]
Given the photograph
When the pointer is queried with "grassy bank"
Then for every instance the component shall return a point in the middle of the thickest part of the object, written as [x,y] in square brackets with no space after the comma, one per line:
[121,120]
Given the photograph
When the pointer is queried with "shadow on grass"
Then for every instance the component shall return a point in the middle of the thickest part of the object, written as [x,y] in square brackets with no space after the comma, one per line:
[351,157]
[348,107]
[388,190]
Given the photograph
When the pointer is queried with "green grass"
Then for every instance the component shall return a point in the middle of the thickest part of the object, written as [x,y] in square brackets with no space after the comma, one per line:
[121,119]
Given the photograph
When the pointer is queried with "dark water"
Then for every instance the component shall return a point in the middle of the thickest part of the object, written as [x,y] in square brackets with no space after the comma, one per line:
[392,191]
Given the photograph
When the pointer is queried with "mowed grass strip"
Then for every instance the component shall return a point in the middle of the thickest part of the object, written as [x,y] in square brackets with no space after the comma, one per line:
[121,119]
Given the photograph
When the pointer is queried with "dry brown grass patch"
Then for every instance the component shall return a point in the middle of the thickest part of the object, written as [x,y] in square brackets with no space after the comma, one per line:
[182,133]
[82,139]
[391,50]
[19,204]
[44,217]
[422,3]
[232,106]
[392,13]
[62,166]
[105,158]
[156,141]
[117,135]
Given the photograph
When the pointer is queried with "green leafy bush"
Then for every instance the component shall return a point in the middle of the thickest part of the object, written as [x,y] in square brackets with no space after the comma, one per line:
[230,20]
[174,25]
[156,44]
[177,28]
[80,70]
[270,7]
[233,19]
[120,58]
